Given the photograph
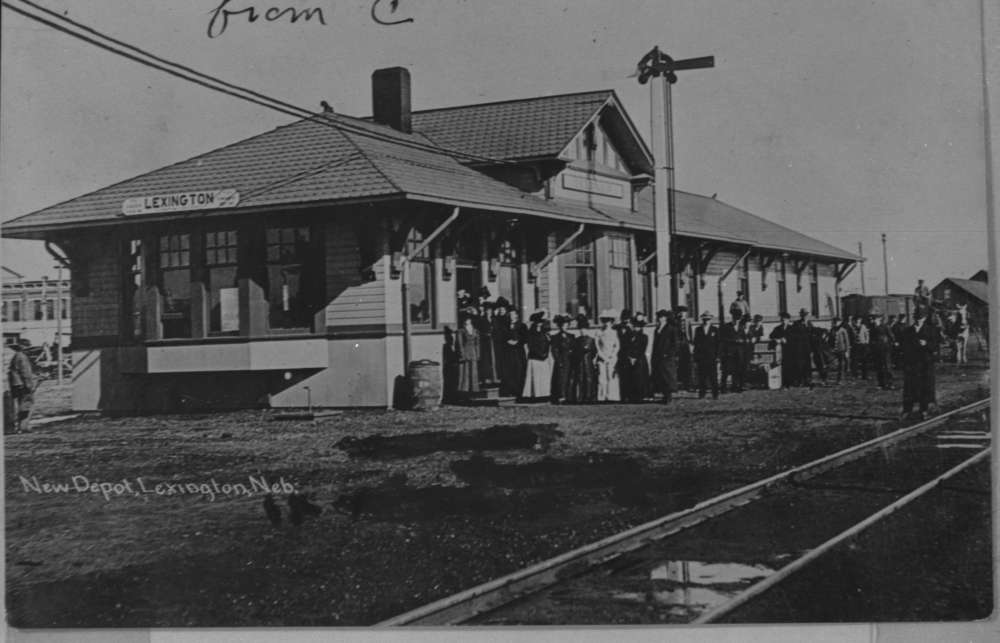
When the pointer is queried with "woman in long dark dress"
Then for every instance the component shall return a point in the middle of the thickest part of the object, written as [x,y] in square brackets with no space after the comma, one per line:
[562,349]
[514,361]
[484,326]
[467,347]
[538,381]
[498,330]
[636,362]
[583,365]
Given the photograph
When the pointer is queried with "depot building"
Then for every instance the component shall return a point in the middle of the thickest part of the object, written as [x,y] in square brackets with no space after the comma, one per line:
[246,275]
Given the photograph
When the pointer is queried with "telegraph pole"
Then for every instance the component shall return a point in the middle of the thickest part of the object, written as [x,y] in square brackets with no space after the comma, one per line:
[861,264]
[59,338]
[885,265]
[661,67]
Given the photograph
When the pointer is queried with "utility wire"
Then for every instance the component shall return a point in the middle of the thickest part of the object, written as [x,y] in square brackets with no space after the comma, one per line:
[208,81]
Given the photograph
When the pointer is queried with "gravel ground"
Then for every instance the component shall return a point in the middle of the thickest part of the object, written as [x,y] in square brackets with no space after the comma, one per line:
[414,506]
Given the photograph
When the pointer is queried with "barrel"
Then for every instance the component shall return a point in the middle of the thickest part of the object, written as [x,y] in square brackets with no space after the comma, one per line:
[425,385]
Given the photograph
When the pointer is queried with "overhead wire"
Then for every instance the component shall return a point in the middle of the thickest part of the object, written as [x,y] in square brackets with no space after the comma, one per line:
[209,81]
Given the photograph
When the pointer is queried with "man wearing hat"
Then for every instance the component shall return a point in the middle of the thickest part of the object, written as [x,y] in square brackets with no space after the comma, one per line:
[880,347]
[859,348]
[683,349]
[706,355]
[561,344]
[608,345]
[778,342]
[21,379]
[840,343]
[732,339]
[666,344]
[919,344]
[800,349]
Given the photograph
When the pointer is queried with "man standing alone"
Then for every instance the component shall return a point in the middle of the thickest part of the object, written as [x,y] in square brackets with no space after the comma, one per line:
[21,377]
[919,343]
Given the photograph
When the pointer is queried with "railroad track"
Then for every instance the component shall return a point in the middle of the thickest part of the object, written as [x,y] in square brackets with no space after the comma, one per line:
[558,590]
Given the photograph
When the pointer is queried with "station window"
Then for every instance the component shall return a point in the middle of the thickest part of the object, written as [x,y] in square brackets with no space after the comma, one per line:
[288,252]
[690,292]
[133,290]
[175,279]
[743,278]
[621,273]
[4,318]
[64,310]
[782,291]
[578,282]
[223,291]
[38,310]
[50,309]
[420,288]
[15,311]
[647,287]
[814,290]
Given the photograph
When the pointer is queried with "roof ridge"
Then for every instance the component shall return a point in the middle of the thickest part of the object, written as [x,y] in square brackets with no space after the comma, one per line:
[510,100]
[364,155]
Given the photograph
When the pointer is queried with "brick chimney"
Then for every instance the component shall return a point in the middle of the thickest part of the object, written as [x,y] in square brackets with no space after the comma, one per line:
[391,98]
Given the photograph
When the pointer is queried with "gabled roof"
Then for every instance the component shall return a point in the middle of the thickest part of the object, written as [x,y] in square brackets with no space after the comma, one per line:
[977,289]
[512,129]
[11,274]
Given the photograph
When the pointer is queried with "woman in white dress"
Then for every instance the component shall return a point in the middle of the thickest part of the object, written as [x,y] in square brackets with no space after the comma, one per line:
[607,359]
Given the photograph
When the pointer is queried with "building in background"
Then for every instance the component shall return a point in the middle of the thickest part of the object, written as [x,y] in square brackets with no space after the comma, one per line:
[31,311]
[860,305]
[974,293]
[253,272]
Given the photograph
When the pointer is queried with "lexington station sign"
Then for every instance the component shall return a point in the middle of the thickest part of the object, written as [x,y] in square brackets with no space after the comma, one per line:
[180,202]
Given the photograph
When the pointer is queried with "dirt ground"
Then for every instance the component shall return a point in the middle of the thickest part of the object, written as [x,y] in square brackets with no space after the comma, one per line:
[414,506]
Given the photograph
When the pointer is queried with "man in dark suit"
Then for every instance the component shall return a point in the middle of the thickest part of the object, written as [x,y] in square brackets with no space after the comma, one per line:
[706,355]
[919,343]
[880,341]
[683,349]
[799,347]
[666,343]
[732,338]
[778,341]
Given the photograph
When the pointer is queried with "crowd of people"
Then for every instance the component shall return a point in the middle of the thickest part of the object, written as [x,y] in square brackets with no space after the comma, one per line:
[540,359]
[616,361]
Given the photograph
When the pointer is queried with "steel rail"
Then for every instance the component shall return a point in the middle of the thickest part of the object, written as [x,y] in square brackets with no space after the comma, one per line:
[759,588]
[488,596]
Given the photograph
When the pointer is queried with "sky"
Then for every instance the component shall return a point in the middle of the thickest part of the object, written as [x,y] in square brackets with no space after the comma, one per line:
[841,119]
